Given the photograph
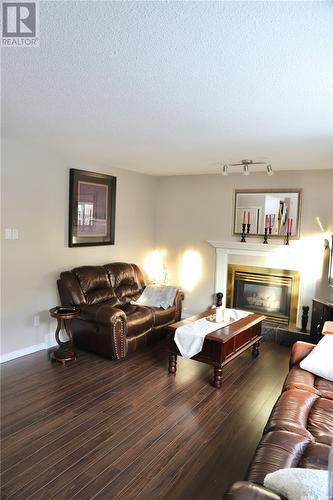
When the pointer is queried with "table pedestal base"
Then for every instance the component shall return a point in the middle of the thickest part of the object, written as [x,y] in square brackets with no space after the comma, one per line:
[62,356]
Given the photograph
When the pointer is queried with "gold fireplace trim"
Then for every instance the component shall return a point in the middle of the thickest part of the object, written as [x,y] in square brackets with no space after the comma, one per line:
[270,276]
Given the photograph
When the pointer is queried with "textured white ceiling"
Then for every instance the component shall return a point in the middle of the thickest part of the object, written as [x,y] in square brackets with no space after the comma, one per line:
[175,87]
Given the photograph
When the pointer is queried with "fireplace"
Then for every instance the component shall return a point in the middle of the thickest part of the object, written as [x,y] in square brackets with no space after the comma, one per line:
[272,292]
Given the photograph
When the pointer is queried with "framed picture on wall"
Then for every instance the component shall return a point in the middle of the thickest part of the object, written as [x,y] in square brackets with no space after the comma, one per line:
[92,208]
[330,265]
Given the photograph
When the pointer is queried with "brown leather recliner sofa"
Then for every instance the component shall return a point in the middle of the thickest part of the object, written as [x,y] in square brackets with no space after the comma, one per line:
[109,324]
[298,432]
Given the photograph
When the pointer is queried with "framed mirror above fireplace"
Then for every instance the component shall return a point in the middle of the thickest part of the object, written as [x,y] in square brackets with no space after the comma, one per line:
[278,210]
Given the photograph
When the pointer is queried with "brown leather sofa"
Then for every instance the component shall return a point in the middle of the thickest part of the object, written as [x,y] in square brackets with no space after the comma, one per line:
[298,432]
[109,324]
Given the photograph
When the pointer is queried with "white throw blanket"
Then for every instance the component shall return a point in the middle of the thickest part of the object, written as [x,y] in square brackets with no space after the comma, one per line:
[297,483]
[190,338]
[157,296]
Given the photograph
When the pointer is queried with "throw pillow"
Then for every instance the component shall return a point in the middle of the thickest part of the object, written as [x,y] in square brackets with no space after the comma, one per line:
[298,483]
[320,360]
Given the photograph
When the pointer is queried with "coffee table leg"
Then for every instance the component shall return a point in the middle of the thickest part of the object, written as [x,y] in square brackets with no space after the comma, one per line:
[172,363]
[217,382]
[255,349]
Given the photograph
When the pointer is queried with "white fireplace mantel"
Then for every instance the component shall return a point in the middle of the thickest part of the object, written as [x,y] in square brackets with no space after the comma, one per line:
[271,255]
[253,248]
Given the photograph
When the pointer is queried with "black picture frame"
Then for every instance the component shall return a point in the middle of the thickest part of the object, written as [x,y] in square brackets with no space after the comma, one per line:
[92,208]
[330,265]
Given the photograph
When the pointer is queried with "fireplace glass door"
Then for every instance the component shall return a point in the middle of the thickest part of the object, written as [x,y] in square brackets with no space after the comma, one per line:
[261,290]
[268,299]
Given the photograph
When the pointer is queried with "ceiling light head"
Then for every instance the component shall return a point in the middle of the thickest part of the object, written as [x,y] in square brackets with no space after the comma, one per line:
[246,170]
[269,170]
[225,170]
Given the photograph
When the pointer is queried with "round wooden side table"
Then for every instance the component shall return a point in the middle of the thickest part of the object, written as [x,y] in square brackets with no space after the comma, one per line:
[64,318]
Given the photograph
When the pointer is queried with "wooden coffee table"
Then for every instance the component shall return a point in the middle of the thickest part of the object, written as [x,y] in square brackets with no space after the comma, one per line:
[221,346]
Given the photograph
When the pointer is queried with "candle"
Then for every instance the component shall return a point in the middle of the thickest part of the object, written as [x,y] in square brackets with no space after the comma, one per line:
[290,225]
[219,313]
[270,221]
[266,221]
[244,217]
[248,217]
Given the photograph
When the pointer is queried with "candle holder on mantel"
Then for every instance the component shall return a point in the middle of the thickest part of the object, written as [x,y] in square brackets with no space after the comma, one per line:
[286,241]
[243,240]
[270,230]
[219,298]
[248,228]
[265,242]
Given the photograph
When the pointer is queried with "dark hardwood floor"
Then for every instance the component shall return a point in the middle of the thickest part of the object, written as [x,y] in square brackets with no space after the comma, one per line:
[103,429]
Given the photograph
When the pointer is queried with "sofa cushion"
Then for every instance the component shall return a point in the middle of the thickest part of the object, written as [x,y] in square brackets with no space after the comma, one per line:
[302,379]
[298,378]
[92,278]
[120,273]
[277,450]
[102,295]
[315,456]
[320,421]
[139,319]
[163,316]
[91,312]
[136,342]
[291,412]
[324,385]
[125,280]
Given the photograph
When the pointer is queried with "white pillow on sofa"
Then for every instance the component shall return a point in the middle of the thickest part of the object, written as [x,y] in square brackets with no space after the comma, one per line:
[297,483]
[320,360]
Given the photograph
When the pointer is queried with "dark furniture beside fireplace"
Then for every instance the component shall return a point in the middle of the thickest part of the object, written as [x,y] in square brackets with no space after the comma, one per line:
[322,311]
[108,323]
[298,432]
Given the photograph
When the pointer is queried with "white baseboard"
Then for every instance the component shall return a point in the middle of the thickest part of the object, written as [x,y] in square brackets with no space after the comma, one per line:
[26,350]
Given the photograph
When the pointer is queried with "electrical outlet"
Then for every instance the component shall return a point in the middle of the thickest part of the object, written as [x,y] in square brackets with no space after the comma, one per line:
[36,320]
[15,234]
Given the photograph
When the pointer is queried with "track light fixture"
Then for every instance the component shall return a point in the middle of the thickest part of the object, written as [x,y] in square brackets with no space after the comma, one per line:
[245,164]
[269,170]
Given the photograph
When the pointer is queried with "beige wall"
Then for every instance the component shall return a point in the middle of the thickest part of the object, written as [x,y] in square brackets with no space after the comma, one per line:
[35,200]
[194,209]
[176,213]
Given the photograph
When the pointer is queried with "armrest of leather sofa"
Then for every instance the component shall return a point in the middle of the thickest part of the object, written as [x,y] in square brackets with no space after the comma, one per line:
[299,351]
[245,490]
[179,304]
[114,320]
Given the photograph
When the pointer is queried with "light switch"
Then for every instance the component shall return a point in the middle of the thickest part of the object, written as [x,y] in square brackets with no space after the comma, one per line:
[11,234]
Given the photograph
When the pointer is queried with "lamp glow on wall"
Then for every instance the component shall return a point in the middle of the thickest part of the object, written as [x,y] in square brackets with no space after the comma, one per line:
[155,267]
[190,270]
